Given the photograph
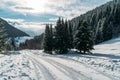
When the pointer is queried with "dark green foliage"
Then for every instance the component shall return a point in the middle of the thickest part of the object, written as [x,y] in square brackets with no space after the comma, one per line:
[2,40]
[13,44]
[66,35]
[70,34]
[48,39]
[60,37]
[83,39]
[116,14]
[63,37]
[99,37]
[107,30]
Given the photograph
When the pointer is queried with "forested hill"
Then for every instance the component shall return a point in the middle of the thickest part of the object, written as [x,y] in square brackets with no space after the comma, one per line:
[10,30]
[104,21]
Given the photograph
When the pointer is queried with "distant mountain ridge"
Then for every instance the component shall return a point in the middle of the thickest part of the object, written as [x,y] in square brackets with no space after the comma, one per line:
[10,30]
[104,21]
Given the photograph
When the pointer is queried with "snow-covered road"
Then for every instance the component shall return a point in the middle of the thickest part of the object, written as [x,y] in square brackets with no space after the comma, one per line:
[55,68]
[52,69]
[104,64]
[29,65]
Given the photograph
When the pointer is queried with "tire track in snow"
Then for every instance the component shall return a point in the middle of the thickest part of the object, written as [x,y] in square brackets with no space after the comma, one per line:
[58,63]
[51,69]
[36,71]
[67,71]
[107,75]
[57,59]
[73,74]
[44,70]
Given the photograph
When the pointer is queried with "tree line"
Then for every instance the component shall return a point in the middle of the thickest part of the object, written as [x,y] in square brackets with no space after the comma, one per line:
[60,39]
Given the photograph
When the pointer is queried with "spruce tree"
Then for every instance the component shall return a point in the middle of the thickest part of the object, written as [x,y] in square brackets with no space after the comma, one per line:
[50,38]
[66,36]
[70,33]
[13,44]
[56,36]
[2,39]
[83,39]
[47,39]
[77,38]
[60,43]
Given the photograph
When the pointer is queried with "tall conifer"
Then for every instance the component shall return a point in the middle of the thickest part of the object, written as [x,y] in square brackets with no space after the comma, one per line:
[83,39]
[2,40]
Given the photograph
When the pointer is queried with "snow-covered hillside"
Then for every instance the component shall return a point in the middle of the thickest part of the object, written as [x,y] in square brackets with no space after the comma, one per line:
[104,64]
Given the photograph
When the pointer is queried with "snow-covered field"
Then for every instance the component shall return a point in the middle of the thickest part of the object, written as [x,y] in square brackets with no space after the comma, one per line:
[103,64]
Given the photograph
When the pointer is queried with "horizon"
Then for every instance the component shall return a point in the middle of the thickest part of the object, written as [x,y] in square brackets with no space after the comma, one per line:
[31,15]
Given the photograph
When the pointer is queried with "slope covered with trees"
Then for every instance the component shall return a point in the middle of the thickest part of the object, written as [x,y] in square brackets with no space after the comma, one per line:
[104,21]
[10,30]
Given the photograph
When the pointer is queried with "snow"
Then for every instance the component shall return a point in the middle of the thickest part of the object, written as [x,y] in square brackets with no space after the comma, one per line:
[103,64]
[19,40]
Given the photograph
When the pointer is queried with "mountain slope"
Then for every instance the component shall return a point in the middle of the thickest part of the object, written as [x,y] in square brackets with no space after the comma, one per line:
[104,21]
[11,31]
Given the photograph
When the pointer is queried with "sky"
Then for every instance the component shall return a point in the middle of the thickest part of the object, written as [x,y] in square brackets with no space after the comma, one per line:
[31,15]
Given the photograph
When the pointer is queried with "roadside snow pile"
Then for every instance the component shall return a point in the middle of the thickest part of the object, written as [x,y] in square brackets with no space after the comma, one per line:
[111,47]
[16,67]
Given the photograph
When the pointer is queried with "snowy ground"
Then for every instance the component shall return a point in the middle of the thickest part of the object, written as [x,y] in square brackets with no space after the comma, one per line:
[104,64]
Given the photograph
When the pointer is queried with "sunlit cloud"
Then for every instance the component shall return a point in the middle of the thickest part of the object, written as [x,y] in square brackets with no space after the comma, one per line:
[65,8]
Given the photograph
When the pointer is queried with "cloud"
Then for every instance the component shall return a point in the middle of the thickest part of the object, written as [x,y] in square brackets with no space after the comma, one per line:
[65,8]
[53,19]
[24,8]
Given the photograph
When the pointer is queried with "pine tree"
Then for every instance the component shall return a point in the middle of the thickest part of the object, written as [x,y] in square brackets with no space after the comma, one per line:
[77,38]
[70,36]
[60,41]
[58,37]
[13,44]
[66,35]
[51,39]
[46,39]
[83,39]
[2,40]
